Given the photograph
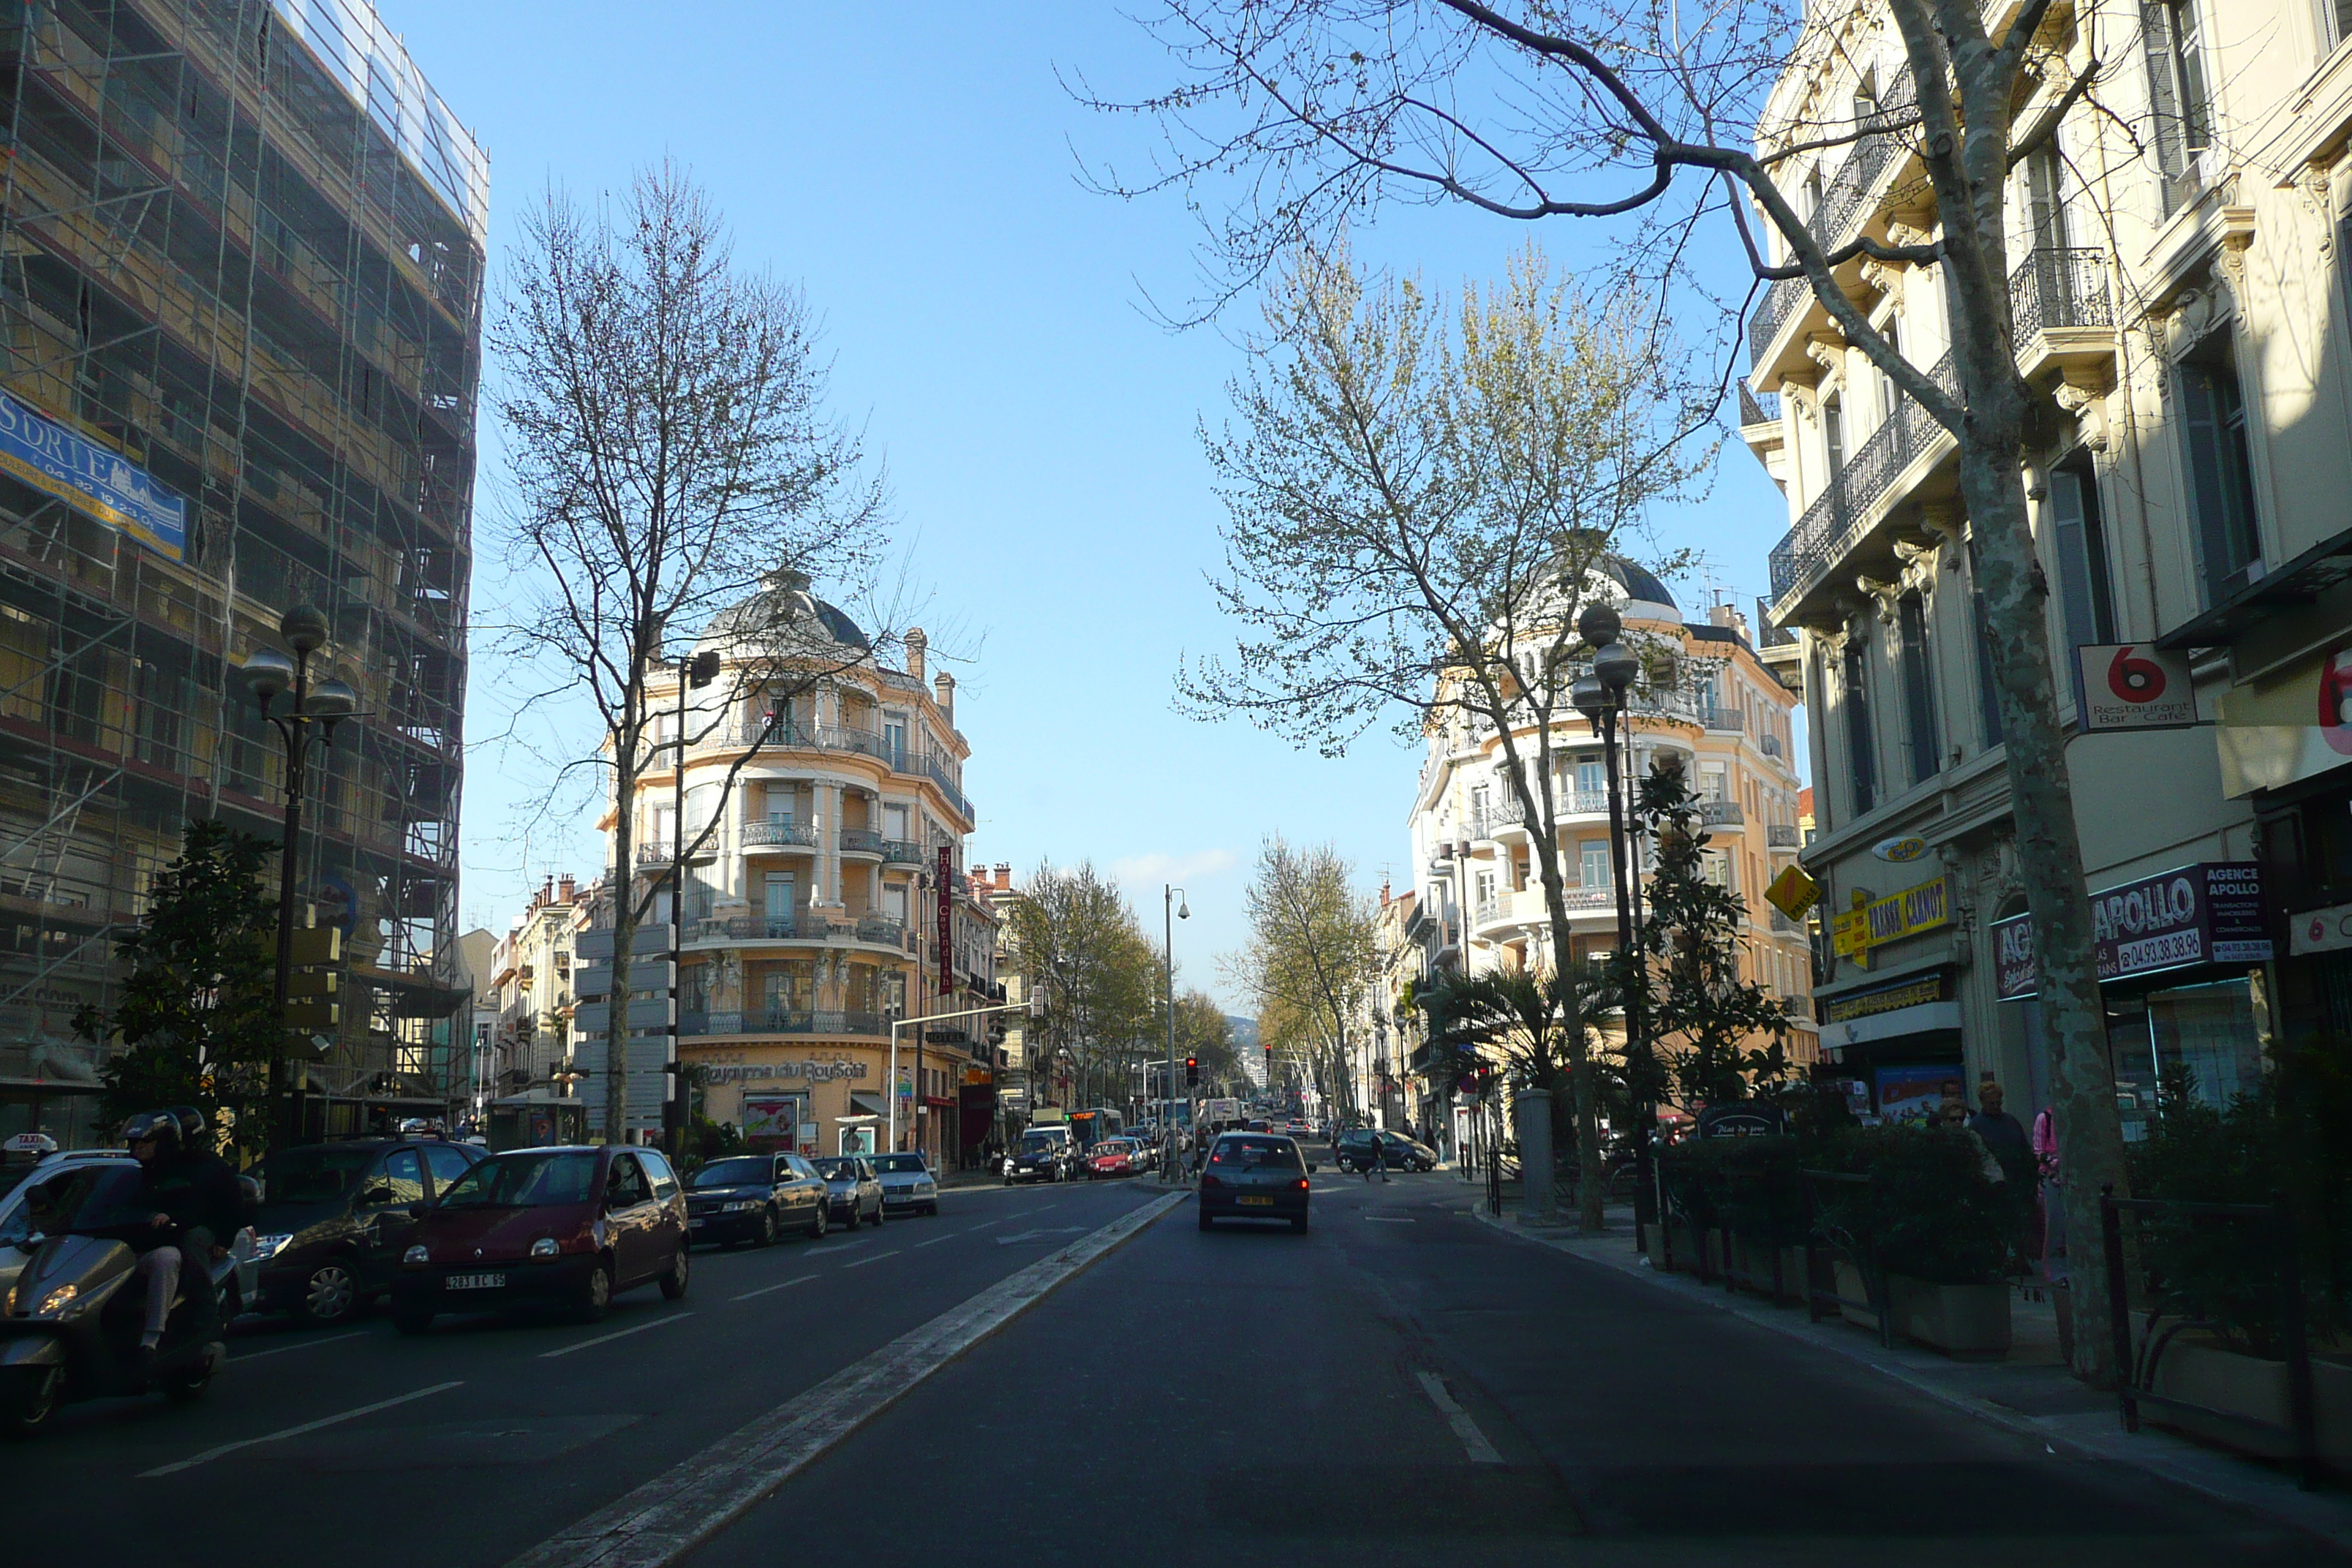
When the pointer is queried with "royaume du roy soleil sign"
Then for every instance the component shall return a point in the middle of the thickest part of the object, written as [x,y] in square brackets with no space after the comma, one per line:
[2211,913]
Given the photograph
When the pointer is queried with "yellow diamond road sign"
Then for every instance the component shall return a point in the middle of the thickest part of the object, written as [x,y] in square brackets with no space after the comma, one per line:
[1793,892]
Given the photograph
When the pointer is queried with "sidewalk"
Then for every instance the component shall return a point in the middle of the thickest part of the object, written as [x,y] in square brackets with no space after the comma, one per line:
[2031,1393]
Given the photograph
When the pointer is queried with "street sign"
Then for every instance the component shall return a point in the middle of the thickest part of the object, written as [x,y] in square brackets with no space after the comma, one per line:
[1793,892]
[2134,686]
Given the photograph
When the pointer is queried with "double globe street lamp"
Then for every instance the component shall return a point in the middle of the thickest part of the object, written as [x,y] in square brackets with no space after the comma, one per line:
[1600,696]
[268,674]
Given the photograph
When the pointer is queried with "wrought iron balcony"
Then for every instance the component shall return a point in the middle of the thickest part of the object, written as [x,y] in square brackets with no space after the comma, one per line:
[1721,813]
[860,841]
[777,830]
[2059,287]
[1732,721]
[1829,526]
[784,1021]
[1758,407]
[1781,836]
[902,852]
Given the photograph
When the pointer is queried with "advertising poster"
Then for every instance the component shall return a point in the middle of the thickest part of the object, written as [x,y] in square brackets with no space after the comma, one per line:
[771,1120]
[1915,1093]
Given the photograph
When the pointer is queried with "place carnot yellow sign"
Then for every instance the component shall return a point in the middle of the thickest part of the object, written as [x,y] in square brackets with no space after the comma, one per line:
[1891,918]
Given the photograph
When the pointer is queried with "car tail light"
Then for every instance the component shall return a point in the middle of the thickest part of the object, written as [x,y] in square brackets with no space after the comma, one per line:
[1302,1184]
[1208,1181]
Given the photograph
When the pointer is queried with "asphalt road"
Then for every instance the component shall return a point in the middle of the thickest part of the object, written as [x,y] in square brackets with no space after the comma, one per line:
[545,1422]
[1404,1379]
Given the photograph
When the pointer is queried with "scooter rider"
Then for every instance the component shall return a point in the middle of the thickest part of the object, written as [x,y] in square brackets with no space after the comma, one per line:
[221,1196]
[171,1186]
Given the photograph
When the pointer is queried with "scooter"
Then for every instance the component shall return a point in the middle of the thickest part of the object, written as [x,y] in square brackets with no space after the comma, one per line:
[70,1330]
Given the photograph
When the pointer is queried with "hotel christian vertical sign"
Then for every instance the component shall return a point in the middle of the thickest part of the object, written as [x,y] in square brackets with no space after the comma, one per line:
[2211,913]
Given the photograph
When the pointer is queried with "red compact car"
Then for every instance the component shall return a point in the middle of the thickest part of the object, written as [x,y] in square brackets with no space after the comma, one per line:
[1115,1157]
[544,1227]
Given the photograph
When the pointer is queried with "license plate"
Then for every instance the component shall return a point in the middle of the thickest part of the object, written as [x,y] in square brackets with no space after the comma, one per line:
[1255,1203]
[694,1225]
[474,1281]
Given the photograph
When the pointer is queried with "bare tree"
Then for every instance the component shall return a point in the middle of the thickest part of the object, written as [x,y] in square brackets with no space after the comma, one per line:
[1310,956]
[1419,515]
[680,486]
[1075,930]
[1666,117]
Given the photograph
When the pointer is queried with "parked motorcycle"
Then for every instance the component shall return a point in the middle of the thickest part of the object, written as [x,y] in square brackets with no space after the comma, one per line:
[70,1325]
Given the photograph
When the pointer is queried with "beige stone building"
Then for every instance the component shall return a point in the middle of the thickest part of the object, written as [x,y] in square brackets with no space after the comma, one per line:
[2178,288]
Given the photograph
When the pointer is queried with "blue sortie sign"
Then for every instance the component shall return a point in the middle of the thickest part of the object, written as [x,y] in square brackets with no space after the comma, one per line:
[83,474]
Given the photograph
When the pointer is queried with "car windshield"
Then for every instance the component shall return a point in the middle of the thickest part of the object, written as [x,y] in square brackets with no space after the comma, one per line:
[900,1164]
[1037,1143]
[319,1175]
[736,1172]
[837,1170]
[81,1198]
[525,1181]
[1248,1153]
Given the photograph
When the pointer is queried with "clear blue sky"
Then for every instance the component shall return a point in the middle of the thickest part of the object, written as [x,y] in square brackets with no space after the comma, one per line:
[913,170]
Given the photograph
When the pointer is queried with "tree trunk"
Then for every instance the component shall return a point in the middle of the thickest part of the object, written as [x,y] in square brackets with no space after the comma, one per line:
[2048,849]
[624,931]
[1589,1178]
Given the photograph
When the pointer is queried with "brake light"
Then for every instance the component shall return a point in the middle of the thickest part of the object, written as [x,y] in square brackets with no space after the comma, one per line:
[1302,1184]
[1208,1181]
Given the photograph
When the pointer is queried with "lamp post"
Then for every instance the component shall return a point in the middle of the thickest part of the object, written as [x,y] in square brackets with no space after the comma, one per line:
[1170,897]
[267,673]
[1601,698]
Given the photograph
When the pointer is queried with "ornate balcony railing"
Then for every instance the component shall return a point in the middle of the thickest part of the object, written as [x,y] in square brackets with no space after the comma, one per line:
[778,830]
[1758,407]
[2059,287]
[1823,533]
[1732,721]
[1781,836]
[903,852]
[784,1021]
[1845,205]
[1770,634]
[1721,813]
[860,841]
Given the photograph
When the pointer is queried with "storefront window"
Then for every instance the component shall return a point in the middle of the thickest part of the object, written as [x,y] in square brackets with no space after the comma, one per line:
[2208,1030]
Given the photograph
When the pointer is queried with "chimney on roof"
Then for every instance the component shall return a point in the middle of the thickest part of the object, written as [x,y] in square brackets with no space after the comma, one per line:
[567,890]
[1729,617]
[917,645]
[1004,877]
[943,692]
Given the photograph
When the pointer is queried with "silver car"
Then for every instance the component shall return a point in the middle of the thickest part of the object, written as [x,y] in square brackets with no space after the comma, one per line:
[855,1192]
[908,1184]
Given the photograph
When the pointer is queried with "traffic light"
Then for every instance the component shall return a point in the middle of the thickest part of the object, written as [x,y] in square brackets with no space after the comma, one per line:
[1191,1072]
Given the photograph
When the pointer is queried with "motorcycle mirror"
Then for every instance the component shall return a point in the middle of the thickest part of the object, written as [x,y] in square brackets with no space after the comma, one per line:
[32,1242]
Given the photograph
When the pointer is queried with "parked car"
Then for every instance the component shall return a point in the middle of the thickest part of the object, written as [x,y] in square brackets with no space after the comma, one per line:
[856,1190]
[1254,1176]
[1354,1150]
[907,1181]
[565,1227]
[756,1198]
[1044,1156]
[1112,1157]
[335,1218]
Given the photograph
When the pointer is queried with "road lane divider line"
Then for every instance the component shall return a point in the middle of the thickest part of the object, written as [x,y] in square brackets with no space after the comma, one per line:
[766,1288]
[875,1259]
[662,1322]
[1481,1451]
[983,1225]
[1389,1218]
[668,1516]
[209,1454]
[281,1350]
[937,1239]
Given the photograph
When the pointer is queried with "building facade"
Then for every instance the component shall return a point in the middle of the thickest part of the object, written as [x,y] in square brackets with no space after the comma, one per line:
[1478,903]
[240,277]
[2179,291]
[830,901]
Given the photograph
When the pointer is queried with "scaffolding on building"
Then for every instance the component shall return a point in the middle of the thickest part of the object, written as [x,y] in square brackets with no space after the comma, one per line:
[241,250]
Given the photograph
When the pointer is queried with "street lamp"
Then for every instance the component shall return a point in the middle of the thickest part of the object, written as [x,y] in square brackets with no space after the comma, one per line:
[1170,897]
[1600,696]
[268,673]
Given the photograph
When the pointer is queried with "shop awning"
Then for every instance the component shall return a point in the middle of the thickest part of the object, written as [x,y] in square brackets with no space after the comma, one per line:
[866,1104]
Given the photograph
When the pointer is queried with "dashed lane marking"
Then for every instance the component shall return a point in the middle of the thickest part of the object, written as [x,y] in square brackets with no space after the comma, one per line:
[661,1322]
[875,1259]
[209,1454]
[1481,1451]
[783,1285]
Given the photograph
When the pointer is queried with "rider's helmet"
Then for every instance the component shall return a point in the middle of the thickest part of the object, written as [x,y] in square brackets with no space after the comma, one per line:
[196,1133]
[161,1126]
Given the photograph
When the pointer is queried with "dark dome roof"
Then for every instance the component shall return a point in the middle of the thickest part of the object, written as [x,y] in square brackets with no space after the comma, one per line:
[1638,582]
[784,597]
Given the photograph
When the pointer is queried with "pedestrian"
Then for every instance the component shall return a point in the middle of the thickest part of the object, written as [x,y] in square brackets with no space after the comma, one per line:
[1378,1160]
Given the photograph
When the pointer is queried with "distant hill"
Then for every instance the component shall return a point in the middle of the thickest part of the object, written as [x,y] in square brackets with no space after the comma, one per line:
[1244,1032]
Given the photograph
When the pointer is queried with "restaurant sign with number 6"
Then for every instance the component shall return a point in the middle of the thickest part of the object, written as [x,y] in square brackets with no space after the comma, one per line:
[2134,686]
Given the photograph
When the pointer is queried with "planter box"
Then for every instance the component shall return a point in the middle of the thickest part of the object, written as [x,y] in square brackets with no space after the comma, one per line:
[1849,1288]
[1675,1235]
[1755,1261]
[2255,1389]
[1964,1322]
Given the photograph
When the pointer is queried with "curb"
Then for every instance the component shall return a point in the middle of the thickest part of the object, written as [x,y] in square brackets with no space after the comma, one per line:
[2326,1515]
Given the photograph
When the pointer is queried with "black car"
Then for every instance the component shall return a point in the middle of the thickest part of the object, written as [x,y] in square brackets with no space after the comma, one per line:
[334,1219]
[1254,1176]
[1044,1156]
[1354,1152]
[755,1198]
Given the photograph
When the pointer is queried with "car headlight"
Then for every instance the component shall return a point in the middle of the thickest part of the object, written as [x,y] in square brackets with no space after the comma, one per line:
[739,1205]
[58,1301]
[267,1247]
[417,1253]
[543,1247]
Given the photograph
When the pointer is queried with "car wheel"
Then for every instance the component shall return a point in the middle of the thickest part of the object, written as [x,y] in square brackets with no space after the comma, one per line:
[411,1319]
[817,1226]
[674,1282]
[767,1227]
[878,1212]
[596,1296]
[854,1219]
[330,1295]
[29,1398]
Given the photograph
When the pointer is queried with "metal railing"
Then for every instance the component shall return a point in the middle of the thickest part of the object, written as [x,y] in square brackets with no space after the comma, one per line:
[2059,287]
[778,830]
[806,927]
[1768,632]
[1845,201]
[784,1021]
[1786,926]
[1825,532]
[903,852]
[899,758]
[1781,836]
[1722,813]
[860,841]
[1732,721]
[1758,407]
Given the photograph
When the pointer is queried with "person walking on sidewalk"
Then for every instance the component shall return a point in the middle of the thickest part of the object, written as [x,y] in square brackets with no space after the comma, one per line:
[1378,1160]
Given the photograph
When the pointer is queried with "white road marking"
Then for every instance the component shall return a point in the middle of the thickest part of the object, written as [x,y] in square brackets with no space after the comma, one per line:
[211,1453]
[766,1288]
[667,1516]
[1389,1218]
[306,1344]
[875,1259]
[1481,1451]
[1033,1235]
[983,1225]
[617,1334]
[937,1239]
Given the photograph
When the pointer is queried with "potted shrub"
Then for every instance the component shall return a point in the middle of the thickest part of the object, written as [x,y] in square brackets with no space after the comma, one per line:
[1939,1230]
